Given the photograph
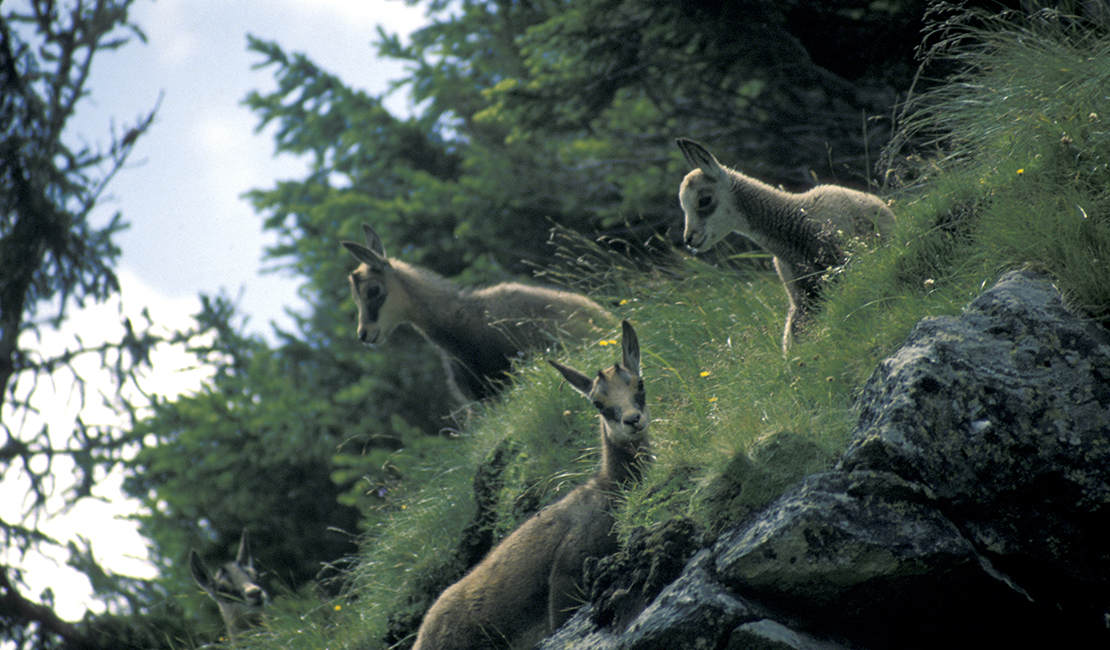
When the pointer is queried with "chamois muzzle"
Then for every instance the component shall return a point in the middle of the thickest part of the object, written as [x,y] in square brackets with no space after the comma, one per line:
[254,595]
[369,336]
[694,241]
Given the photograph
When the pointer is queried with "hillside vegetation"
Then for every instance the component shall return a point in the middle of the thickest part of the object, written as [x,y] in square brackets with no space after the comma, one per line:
[1020,175]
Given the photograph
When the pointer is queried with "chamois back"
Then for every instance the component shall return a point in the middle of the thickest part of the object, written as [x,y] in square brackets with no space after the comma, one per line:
[531,582]
[478,331]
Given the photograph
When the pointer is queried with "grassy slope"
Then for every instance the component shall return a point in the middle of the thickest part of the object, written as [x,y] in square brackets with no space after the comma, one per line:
[734,422]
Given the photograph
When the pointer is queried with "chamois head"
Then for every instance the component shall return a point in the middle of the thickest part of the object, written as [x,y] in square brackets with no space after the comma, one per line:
[618,393]
[370,287]
[707,200]
[234,587]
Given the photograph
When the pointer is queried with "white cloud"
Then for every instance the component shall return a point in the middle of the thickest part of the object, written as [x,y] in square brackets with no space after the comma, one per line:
[233,159]
[361,14]
[166,25]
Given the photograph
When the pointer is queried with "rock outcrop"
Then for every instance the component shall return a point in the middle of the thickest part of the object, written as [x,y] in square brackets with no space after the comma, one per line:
[971,509]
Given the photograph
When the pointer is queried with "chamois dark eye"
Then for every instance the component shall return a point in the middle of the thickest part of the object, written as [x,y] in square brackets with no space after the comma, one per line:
[705,201]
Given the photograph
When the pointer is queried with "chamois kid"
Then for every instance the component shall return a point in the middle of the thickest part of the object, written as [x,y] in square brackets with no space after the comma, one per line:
[804,232]
[529,584]
[234,587]
[479,331]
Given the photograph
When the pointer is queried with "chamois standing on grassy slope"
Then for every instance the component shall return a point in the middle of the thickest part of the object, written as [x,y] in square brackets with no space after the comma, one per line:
[529,584]
[234,587]
[804,232]
[479,331]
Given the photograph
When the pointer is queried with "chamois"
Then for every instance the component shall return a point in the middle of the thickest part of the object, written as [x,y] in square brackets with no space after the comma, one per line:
[478,331]
[234,587]
[530,583]
[803,232]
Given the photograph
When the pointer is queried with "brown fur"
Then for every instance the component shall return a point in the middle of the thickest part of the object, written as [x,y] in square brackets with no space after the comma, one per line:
[804,232]
[530,583]
[234,587]
[479,331]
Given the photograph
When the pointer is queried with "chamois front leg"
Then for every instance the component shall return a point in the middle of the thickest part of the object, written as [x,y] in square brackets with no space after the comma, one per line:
[796,304]
[563,598]
[592,537]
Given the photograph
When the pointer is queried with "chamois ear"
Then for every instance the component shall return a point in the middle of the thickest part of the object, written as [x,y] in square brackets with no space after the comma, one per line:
[581,383]
[365,255]
[244,555]
[630,346]
[698,156]
[373,242]
[200,571]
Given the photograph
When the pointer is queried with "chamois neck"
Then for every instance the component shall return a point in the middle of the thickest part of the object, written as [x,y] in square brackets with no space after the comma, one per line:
[620,465]
[430,297]
[777,220]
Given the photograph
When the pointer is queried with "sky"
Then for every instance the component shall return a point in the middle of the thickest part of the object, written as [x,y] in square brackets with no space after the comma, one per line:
[191,232]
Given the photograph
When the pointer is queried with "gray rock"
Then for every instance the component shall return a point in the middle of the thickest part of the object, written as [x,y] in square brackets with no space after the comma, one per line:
[864,558]
[1003,413]
[694,611]
[834,533]
[766,634]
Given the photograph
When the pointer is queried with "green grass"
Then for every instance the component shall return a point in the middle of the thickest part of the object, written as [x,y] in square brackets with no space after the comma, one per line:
[1020,178]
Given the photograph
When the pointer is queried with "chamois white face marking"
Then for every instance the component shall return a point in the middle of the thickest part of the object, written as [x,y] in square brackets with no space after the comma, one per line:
[369,288]
[234,588]
[617,392]
[706,199]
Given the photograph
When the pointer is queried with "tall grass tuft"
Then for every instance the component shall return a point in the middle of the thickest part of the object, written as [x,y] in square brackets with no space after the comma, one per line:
[1025,125]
